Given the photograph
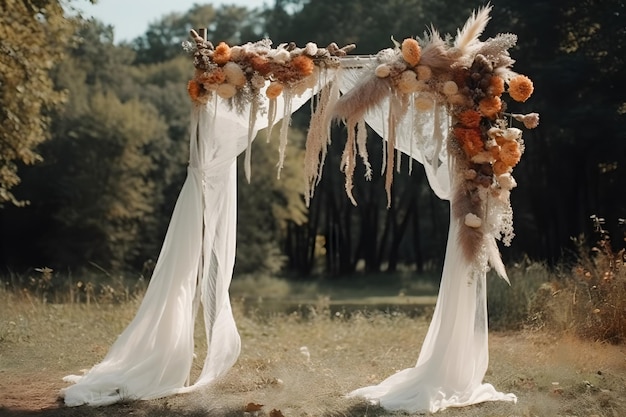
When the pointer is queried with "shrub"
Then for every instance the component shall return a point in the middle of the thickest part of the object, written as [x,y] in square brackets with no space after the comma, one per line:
[598,289]
[589,298]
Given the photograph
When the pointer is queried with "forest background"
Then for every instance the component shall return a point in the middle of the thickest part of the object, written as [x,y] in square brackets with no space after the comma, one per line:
[94,140]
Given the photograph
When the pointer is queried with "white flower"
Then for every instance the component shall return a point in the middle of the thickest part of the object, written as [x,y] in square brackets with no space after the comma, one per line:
[234,74]
[226,90]
[512,133]
[495,132]
[472,220]
[281,56]
[483,157]
[506,181]
[382,71]
[235,52]
[450,88]
[310,49]
[408,82]
[530,120]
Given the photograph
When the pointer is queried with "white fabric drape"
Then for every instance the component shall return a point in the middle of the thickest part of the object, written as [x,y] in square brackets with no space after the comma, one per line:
[153,356]
[455,353]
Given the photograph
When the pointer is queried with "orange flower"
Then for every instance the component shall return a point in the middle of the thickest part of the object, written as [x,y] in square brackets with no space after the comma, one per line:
[411,51]
[221,55]
[195,90]
[520,88]
[500,168]
[469,118]
[303,65]
[217,76]
[495,152]
[490,106]
[274,89]
[496,86]
[510,153]
[261,65]
[470,139]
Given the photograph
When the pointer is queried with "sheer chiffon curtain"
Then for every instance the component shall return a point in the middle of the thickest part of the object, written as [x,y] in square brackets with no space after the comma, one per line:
[152,357]
[454,357]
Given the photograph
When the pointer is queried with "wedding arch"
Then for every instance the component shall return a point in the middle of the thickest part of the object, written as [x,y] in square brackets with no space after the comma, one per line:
[438,100]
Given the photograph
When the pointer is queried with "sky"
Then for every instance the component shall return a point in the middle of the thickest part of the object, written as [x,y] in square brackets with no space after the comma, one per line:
[130,18]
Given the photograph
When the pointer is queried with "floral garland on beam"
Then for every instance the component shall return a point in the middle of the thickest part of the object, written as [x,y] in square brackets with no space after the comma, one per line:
[466,77]
[242,74]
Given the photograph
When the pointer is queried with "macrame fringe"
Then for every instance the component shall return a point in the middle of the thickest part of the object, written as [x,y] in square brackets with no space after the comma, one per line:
[284,130]
[271,118]
[254,108]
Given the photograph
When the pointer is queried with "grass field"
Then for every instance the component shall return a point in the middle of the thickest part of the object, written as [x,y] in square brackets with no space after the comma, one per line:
[552,373]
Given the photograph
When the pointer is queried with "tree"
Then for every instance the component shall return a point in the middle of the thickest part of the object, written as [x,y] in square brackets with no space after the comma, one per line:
[33,37]
[230,24]
[268,205]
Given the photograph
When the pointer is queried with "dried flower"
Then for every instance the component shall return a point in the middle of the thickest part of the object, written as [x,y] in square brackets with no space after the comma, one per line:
[195,90]
[506,181]
[510,153]
[500,168]
[257,81]
[520,88]
[261,65]
[221,55]
[274,89]
[280,56]
[469,118]
[490,106]
[303,65]
[216,76]
[382,71]
[472,220]
[411,51]
[512,133]
[496,86]
[236,52]
[530,120]
[310,49]
[470,140]
[424,72]
[450,88]
[234,74]
[408,82]
[483,157]
[226,90]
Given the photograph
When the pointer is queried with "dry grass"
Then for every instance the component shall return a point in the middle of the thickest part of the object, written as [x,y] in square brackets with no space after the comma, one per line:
[553,374]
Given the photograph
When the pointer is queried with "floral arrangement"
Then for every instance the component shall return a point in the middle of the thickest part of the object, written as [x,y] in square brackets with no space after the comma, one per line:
[243,74]
[468,78]
[242,71]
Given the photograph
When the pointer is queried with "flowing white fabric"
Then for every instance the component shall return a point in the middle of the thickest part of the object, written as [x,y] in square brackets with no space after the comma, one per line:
[455,353]
[153,356]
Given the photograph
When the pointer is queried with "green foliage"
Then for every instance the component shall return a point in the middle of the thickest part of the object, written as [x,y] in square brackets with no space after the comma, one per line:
[33,36]
[106,191]
[267,204]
